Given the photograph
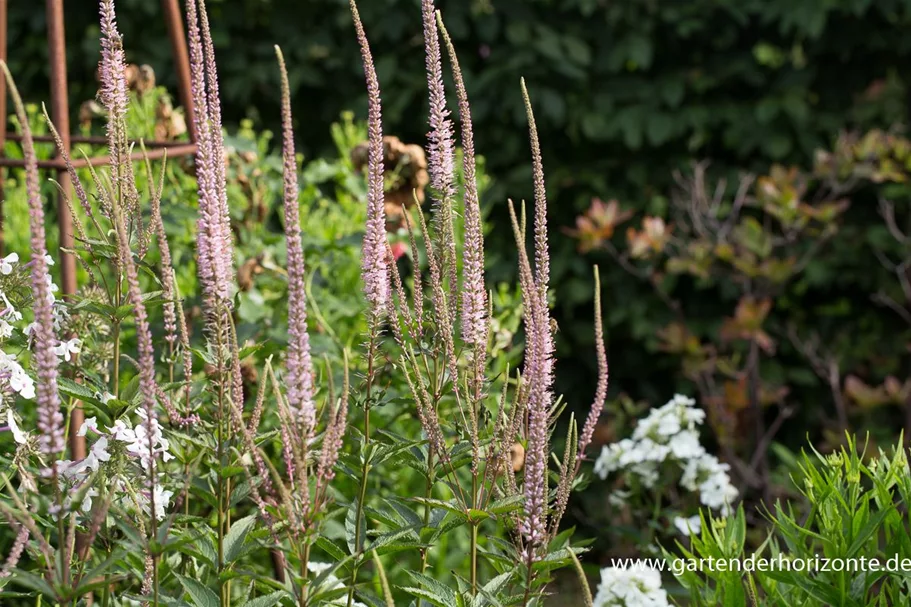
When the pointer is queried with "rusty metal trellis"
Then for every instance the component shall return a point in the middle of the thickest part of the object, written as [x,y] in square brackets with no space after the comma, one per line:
[60,114]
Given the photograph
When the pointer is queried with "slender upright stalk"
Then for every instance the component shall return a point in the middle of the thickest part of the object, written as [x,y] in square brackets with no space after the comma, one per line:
[304,571]
[374,268]
[365,470]
[474,558]
[428,493]
[115,377]
[529,577]
[220,456]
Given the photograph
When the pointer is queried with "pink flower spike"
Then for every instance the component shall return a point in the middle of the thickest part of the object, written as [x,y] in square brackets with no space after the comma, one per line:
[374,268]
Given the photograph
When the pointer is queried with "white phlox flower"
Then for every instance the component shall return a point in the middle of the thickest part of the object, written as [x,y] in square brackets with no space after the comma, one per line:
[8,263]
[670,435]
[66,349]
[18,435]
[139,443]
[90,423]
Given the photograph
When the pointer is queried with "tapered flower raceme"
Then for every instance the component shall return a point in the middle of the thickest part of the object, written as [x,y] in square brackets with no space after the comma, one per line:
[588,430]
[332,441]
[298,360]
[374,266]
[15,552]
[204,175]
[223,215]
[542,255]
[539,361]
[441,162]
[475,322]
[112,74]
[214,240]
[113,85]
[113,77]
[441,156]
[168,280]
[537,379]
[50,419]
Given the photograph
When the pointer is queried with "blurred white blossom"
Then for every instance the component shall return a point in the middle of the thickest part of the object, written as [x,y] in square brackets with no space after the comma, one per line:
[18,435]
[7,263]
[632,587]
[688,525]
[66,349]
[330,583]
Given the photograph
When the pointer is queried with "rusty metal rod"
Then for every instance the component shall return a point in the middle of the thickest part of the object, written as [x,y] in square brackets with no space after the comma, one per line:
[3,27]
[174,151]
[60,112]
[93,139]
[174,21]
[61,116]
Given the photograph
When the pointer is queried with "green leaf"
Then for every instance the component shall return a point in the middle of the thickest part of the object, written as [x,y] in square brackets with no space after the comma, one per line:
[491,589]
[452,506]
[443,595]
[266,601]
[754,237]
[394,536]
[200,594]
[236,536]
[330,548]
[421,593]
[32,581]
[507,504]
[79,391]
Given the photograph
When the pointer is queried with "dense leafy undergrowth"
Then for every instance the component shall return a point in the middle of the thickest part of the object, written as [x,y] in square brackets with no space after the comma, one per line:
[281,384]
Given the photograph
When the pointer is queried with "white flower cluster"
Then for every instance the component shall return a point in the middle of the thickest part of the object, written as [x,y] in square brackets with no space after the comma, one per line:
[669,435]
[138,444]
[630,587]
[14,379]
[12,376]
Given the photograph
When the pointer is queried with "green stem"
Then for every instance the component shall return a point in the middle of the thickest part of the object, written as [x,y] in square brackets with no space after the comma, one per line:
[475,405]
[529,576]
[220,499]
[474,535]
[371,353]
[106,593]
[474,559]
[115,379]
[154,578]
[305,561]
[428,493]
